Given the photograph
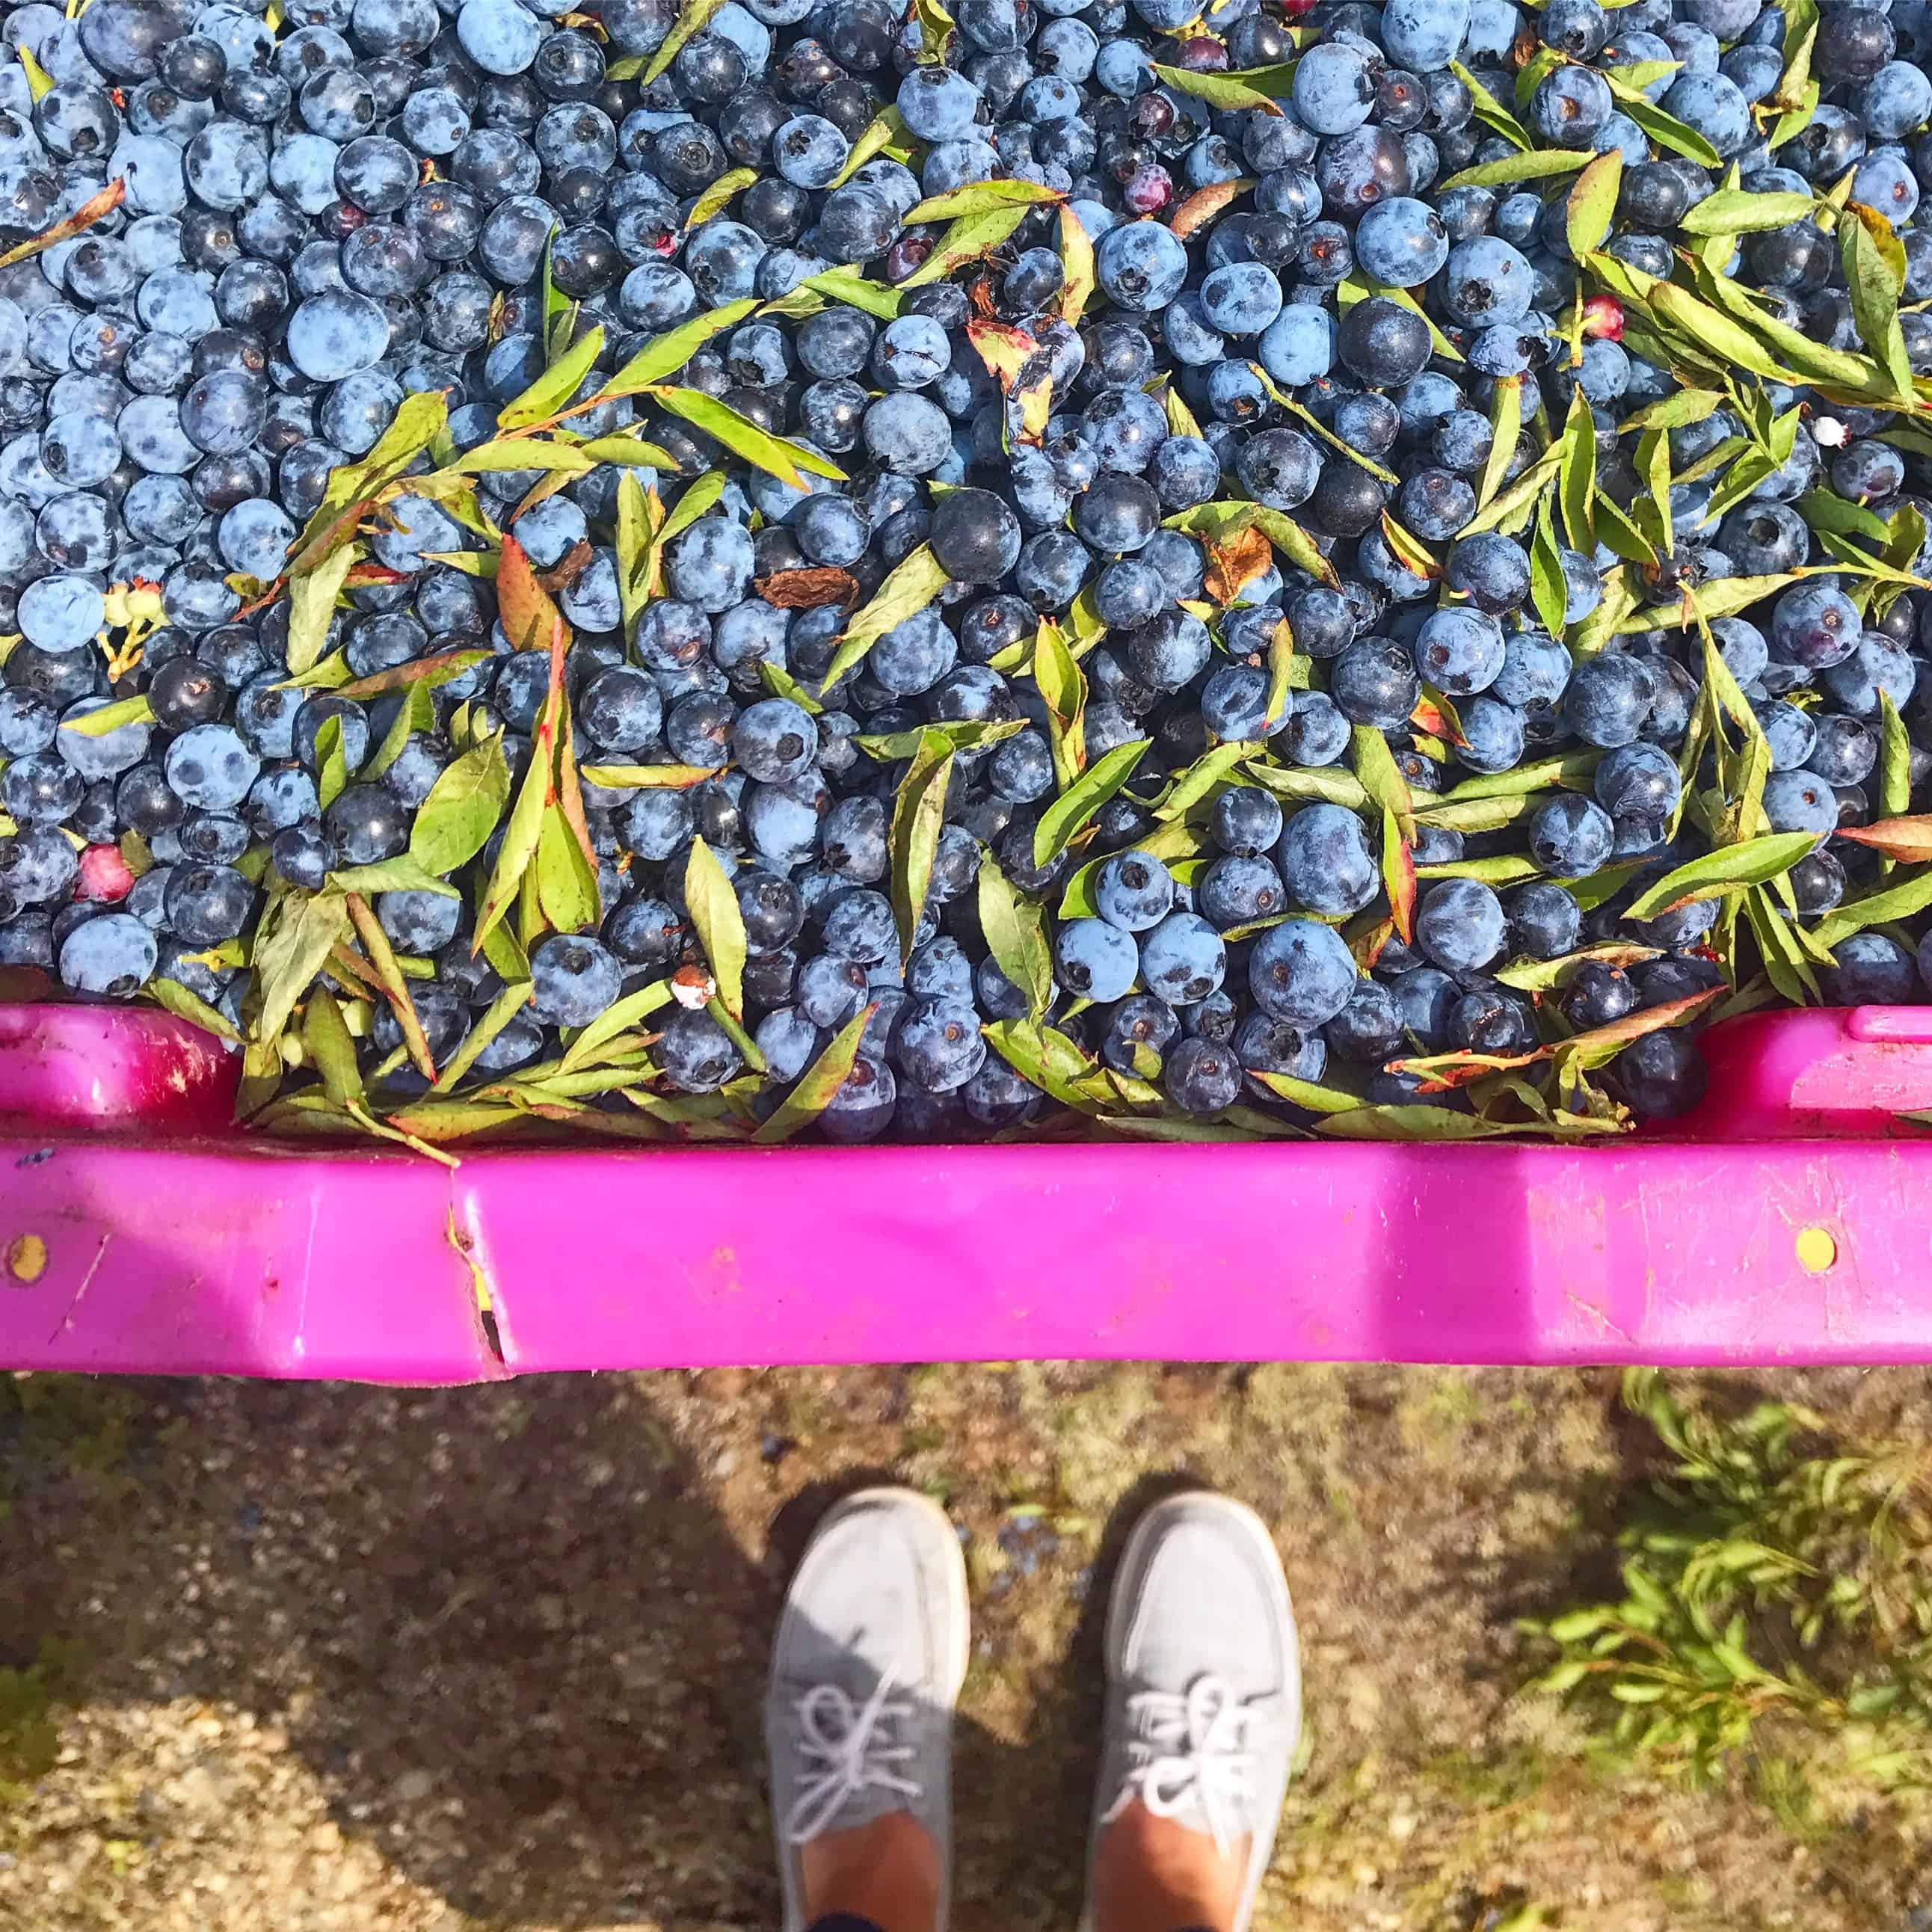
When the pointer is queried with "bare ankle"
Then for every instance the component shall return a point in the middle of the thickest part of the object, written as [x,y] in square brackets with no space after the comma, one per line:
[886,1871]
[1151,1874]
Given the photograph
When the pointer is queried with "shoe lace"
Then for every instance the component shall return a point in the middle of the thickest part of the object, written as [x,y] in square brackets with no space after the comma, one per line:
[1192,1744]
[847,1747]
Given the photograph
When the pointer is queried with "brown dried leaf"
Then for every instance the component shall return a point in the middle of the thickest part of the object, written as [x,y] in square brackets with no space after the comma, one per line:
[1202,207]
[84,217]
[809,589]
[1235,564]
[574,563]
[1005,349]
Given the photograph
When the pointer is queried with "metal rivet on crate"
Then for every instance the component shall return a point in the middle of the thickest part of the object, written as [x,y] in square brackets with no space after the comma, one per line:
[26,1257]
[1816,1249]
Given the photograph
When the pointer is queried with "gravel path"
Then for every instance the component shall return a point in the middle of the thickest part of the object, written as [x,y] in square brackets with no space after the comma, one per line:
[341,1657]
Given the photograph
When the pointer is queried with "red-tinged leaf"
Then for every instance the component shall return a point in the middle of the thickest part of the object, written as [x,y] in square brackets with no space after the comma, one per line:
[1005,349]
[362,574]
[1367,947]
[531,620]
[1443,1072]
[1907,839]
[1201,207]
[438,670]
[1399,877]
[1601,1043]
[90,211]
[569,789]
[395,987]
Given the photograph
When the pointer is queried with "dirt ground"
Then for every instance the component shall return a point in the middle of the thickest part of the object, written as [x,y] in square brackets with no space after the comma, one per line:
[341,1657]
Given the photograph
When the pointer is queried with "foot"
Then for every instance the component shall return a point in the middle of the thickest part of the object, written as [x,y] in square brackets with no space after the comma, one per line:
[866,1669]
[1204,1713]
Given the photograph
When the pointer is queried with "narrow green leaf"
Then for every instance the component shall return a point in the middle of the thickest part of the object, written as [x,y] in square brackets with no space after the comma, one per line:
[658,778]
[744,438]
[402,874]
[1576,485]
[520,833]
[665,355]
[1309,1094]
[1532,164]
[1015,935]
[816,1085]
[566,880]
[1489,110]
[716,198]
[1906,900]
[909,587]
[1207,772]
[966,240]
[1592,203]
[331,1049]
[918,816]
[332,767]
[501,1011]
[1505,426]
[980,198]
[1874,278]
[311,605]
[616,1019]
[1256,89]
[1079,802]
[1751,862]
[720,926]
[97,723]
[176,998]
[1547,589]
[556,386]
[691,17]
[1733,211]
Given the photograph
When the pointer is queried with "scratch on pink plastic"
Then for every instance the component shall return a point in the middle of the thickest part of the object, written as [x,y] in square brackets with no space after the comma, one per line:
[1788,1220]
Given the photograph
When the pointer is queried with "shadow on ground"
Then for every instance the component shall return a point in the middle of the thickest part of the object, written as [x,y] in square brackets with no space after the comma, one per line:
[507,1629]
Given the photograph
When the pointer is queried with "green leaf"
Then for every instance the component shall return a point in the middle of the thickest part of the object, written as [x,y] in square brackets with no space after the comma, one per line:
[311,605]
[744,438]
[908,588]
[1063,688]
[1015,935]
[330,1050]
[555,387]
[454,822]
[966,240]
[402,874]
[290,948]
[107,718]
[566,880]
[1894,761]
[1492,114]
[918,816]
[1576,480]
[1256,89]
[1309,1094]
[1732,210]
[620,1018]
[1753,861]
[665,355]
[521,452]
[720,926]
[1208,772]
[331,767]
[1533,164]
[691,17]
[1079,802]
[1592,204]
[850,287]
[712,201]
[631,452]
[1666,130]
[1826,510]
[895,745]
[1906,900]
[1413,1123]
[520,833]
[1874,278]
[1505,427]
[176,998]
[816,1085]
[1382,781]
[984,197]
[657,778]
[501,1011]
[1547,589]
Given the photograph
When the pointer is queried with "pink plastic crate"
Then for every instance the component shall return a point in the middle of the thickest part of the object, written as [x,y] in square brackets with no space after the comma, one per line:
[1788,1220]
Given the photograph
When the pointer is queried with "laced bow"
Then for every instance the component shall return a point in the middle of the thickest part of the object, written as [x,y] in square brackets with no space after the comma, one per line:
[1196,1745]
[848,1748]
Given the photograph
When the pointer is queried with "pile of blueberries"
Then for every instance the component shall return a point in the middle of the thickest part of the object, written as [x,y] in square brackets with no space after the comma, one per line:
[332,204]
